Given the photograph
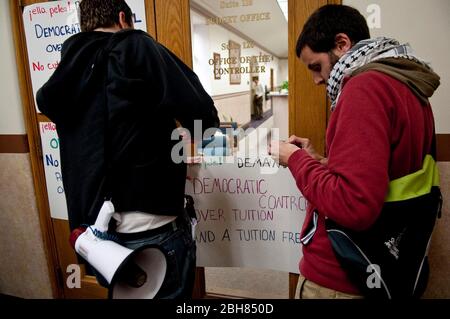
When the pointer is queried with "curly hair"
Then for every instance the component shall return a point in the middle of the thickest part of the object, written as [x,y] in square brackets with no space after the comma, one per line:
[102,13]
[325,23]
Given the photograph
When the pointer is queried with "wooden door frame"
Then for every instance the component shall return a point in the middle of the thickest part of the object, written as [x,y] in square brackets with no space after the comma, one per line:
[308,105]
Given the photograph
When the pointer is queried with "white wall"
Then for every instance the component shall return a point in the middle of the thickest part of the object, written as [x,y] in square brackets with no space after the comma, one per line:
[217,35]
[425,25]
[209,39]
[201,54]
[283,72]
[11,116]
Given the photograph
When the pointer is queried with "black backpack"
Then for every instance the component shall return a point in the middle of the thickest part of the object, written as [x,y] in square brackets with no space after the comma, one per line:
[389,260]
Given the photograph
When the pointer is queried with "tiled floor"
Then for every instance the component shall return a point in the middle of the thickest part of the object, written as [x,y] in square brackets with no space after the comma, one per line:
[255,123]
[247,282]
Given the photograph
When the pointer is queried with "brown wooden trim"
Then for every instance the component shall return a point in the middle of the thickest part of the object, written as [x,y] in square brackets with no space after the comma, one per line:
[199,284]
[42,118]
[150,16]
[443,147]
[32,129]
[14,144]
[307,101]
[229,95]
[293,281]
[173,27]
[334,1]
[28,2]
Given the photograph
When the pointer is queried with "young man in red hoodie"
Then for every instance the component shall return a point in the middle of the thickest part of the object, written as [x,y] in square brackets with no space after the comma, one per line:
[380,129]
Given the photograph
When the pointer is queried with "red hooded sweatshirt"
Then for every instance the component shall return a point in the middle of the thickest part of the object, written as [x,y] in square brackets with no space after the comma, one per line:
[378,132]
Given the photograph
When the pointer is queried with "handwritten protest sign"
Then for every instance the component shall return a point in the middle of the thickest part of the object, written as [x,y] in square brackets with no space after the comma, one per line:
[246,219]
[48,24]
[52,168]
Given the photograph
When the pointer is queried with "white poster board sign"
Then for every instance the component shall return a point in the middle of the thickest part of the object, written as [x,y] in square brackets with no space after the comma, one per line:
[52,168]
[247,218]
[48,24]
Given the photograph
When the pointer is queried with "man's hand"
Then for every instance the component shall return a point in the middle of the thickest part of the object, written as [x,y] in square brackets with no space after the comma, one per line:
[282,151]
[305,144]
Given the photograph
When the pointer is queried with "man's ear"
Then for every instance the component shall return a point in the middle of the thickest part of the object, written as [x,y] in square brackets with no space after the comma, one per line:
[123,21]
[342,44]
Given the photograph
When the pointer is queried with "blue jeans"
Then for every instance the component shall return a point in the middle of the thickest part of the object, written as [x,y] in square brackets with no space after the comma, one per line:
[180,249]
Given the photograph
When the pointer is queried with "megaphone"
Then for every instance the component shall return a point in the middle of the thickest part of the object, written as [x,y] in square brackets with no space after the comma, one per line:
[131,274]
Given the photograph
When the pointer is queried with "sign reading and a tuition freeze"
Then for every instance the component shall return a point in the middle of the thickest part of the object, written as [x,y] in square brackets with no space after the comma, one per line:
[247,218]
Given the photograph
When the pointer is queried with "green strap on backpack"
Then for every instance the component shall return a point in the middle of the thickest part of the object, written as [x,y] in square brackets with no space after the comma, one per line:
[389,260]
[415,184]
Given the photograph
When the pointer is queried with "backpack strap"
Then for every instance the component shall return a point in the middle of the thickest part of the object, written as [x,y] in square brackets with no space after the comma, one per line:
[99,69]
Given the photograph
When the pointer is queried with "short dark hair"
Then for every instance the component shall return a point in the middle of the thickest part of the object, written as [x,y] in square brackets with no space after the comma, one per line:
[102,13]
[321,28]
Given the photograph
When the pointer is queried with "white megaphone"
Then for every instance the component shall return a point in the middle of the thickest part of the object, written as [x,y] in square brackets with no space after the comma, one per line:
[131,274]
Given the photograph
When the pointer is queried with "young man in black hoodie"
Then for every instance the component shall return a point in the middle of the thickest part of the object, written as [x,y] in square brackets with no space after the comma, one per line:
[115,99]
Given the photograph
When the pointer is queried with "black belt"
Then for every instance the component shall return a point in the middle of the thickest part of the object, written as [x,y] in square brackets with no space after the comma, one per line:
[174,225]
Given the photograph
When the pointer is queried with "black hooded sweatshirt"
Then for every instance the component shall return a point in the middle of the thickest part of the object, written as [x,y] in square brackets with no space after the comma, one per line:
[115,99]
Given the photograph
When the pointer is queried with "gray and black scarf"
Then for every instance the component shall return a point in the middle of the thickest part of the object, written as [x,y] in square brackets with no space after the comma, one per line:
[387,56]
